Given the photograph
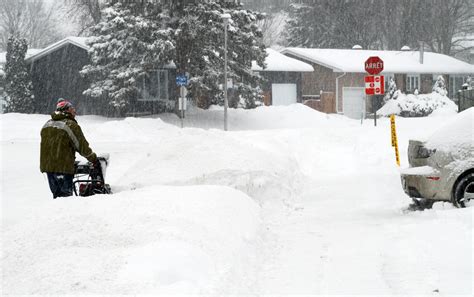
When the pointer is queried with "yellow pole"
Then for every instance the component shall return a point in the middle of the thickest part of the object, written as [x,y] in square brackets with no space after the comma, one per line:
[394,138]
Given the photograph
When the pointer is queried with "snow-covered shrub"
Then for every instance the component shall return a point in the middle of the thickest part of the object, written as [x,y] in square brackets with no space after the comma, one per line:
[416,105]
[392,92]
[440,86]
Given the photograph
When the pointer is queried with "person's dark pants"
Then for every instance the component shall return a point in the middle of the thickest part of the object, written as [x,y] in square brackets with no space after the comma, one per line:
[60,184]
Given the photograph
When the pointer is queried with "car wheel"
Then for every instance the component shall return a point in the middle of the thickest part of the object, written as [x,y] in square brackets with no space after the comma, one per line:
[464,191]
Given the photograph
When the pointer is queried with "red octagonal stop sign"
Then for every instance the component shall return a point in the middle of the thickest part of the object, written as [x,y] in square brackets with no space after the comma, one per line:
[374,65]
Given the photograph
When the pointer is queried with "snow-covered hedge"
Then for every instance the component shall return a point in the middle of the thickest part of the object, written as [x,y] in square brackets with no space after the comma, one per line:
[416,105]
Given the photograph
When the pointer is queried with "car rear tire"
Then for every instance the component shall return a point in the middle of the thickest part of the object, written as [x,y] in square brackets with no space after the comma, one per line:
[464,191]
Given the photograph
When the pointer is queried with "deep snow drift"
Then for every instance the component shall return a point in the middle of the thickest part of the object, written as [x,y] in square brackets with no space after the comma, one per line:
[290,201]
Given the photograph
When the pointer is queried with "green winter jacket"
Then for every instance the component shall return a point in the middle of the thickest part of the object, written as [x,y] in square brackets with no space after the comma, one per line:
[61,137]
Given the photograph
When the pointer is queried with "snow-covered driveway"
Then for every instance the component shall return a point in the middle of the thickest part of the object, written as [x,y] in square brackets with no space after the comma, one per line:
[290,202]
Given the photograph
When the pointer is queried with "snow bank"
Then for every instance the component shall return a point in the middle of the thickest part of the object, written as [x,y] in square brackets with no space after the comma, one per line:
[157,239]
[293,116]
[269,207]
[417,105]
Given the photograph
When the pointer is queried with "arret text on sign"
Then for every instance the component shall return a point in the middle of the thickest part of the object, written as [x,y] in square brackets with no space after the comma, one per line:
[373,65]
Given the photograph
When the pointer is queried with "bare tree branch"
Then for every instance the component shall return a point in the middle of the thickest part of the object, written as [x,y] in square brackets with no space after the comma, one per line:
[29,19]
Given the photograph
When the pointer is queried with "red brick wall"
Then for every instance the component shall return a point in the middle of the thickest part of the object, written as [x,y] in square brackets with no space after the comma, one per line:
[426,83]
[322,79]
[326,103]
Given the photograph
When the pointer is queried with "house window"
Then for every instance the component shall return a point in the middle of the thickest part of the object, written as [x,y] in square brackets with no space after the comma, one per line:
[154,86]
[455,84]
[413,82]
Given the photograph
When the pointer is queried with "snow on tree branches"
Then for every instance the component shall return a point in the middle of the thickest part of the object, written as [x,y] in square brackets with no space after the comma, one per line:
[200,39]
[127,44]
[136,38]
[18,85]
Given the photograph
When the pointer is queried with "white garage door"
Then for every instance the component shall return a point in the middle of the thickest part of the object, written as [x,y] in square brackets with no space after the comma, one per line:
[283,94]
[353,102]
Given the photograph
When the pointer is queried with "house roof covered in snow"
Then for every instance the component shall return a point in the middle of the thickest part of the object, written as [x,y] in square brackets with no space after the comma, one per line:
[78,41]
[350,60]
[276,61]
[29,53]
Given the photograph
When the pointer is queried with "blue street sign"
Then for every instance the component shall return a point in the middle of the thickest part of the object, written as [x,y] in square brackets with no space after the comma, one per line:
[181,80]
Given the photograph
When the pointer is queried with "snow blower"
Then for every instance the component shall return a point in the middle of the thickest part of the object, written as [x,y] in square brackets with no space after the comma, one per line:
[89,179]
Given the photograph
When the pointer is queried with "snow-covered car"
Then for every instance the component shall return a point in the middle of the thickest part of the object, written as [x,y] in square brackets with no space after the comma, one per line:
[442,167]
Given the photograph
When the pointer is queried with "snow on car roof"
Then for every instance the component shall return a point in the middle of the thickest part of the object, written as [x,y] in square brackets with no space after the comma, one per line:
[276,61]
[350,60]
[457,134]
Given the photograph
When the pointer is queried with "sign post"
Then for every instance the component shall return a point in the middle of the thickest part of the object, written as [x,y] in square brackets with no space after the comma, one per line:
[374,83]
[182,81]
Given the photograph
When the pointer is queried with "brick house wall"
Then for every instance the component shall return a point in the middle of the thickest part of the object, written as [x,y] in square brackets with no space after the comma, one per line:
[426,83]
[322,79]
[400,81]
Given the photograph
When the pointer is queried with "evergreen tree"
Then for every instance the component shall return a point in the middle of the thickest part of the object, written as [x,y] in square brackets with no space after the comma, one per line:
[138,36]
[18,85]
[132,40]
[2,90]
[333,24]
[200,52]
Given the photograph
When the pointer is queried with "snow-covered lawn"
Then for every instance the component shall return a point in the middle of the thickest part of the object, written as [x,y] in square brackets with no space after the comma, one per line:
[290,201]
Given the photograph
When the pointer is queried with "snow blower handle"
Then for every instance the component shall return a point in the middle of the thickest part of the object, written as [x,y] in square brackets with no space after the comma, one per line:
[96,163]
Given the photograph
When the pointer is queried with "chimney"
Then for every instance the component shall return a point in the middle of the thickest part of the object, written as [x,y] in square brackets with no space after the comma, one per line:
[422,52]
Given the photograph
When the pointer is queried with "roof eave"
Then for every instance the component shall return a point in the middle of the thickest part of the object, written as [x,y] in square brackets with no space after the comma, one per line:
[55,47]
[332,67]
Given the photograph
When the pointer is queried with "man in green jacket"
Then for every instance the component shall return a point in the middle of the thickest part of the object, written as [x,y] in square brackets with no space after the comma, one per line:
[61,137]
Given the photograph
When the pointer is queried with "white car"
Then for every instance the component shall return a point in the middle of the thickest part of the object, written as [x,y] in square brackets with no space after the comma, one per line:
[442,167]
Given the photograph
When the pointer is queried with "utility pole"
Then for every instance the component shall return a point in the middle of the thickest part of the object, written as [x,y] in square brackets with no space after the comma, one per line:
[226,18]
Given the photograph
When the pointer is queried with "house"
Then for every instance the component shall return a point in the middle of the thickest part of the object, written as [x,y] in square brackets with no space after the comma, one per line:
[55,74]
[342,72]
[283,78]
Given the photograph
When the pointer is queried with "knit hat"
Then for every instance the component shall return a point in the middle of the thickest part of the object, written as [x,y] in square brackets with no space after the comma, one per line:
[63,105]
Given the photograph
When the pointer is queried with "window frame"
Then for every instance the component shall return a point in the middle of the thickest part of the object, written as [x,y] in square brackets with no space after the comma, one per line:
[387,77]
[452,90]
[414,78]
[142,86]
